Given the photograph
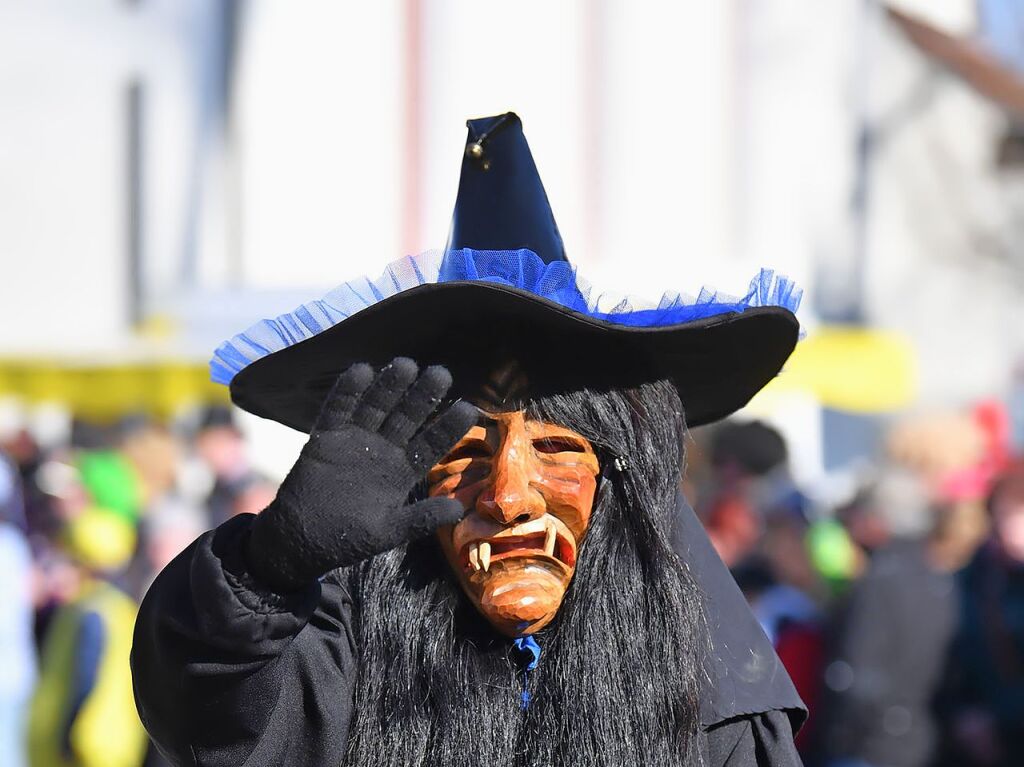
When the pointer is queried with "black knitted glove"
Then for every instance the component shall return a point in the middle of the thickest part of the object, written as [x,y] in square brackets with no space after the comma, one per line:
[345,498]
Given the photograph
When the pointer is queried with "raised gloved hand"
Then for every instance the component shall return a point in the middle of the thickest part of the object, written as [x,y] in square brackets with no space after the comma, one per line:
[345,498]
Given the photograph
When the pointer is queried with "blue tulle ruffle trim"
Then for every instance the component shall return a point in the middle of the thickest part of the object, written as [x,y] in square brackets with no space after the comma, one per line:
[523,269]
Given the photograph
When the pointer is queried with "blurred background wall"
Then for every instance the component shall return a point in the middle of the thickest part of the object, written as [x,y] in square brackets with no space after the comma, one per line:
[172,171]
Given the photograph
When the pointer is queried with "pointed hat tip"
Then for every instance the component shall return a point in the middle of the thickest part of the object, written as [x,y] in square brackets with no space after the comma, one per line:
[501,204]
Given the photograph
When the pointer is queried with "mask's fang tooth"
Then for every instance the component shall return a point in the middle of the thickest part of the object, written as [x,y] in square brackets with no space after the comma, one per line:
[549,541]
[474,556]
[485,556]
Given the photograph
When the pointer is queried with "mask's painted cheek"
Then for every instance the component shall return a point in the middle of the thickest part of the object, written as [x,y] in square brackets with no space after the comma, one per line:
[567,474]
[569,494]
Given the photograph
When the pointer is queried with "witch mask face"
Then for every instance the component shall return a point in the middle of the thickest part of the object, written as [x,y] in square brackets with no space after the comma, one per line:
[528,488]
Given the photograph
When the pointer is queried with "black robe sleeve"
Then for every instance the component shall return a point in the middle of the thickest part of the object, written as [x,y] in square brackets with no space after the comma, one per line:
[764,740]
[228,674]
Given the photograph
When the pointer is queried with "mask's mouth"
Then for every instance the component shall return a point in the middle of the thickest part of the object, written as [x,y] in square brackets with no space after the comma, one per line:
[538,539]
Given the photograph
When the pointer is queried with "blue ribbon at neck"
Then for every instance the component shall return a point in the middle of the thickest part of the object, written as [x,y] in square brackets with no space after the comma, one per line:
[528,646]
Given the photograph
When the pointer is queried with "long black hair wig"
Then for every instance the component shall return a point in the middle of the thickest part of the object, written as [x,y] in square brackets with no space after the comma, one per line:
[618,677]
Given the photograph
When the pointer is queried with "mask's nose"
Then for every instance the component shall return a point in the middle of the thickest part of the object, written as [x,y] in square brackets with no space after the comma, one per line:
[510,499]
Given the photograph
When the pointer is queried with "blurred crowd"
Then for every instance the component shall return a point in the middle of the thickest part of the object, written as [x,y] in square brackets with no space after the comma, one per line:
[85,526]
[897,606]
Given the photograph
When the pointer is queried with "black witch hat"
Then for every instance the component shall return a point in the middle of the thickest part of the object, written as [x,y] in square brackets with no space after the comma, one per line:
[503,288]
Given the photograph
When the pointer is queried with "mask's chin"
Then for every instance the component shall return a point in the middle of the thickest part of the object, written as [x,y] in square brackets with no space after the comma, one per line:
[518,596]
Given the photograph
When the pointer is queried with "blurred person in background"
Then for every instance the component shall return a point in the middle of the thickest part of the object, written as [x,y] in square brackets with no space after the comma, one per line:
[748,464]
[41,517]
[890,644]
[743,449]
[62,496]
[793,623]
[758,524]
[166,529]
[221,447]
[83,711]
[733,526]
[790,606]
[953,456]
[865,528]
[984,700]
[957,454]
[17,651]
[154,454]
[24,453]
[253,495]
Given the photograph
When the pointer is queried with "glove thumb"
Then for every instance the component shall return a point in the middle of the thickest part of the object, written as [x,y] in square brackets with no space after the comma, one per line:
[422,518]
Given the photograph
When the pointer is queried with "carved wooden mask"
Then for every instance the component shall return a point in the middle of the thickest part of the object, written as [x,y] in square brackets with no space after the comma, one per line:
[528,488]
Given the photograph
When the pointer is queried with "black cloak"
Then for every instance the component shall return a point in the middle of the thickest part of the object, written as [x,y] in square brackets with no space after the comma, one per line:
[227,673]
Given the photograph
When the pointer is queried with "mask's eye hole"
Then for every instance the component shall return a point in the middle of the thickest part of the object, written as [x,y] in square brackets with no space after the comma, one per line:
[558,445]
[472,449]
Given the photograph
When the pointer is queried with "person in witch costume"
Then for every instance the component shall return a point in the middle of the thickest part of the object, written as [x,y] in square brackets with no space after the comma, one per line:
[481,557]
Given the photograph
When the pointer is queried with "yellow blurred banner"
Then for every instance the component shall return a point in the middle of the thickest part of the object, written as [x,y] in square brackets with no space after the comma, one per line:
[846,368]
[108,391]
[855,369]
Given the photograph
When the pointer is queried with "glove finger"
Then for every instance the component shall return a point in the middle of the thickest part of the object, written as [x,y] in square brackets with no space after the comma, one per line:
[344,396]
[416,406]
[421,519]
[431,444]
[385,392]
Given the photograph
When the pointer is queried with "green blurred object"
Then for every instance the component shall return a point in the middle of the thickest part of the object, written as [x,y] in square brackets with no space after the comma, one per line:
[832,552]
[112,483]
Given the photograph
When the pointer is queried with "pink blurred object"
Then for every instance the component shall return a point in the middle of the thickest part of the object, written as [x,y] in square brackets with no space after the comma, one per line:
[972,483]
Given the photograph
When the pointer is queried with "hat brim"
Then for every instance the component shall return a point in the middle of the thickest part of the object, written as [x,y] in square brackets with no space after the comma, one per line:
[717,363]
